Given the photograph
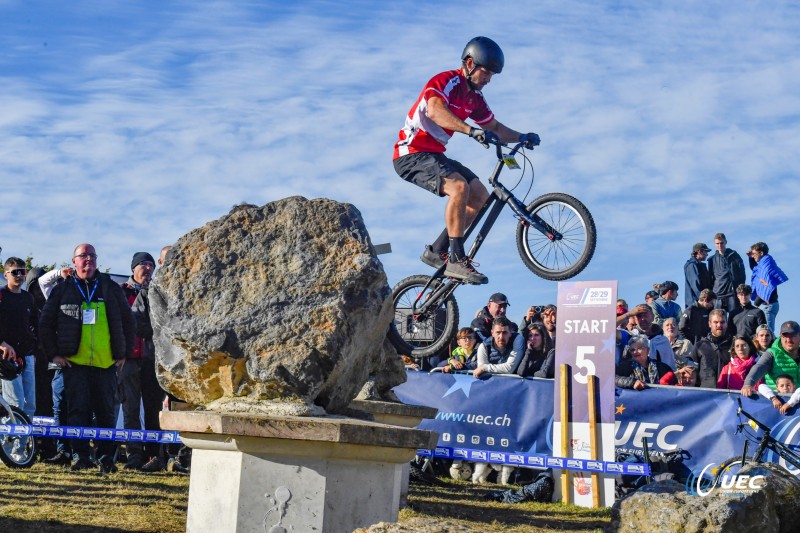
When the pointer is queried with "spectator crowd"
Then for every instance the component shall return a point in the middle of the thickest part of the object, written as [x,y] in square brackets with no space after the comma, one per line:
[723,338]
[77,346]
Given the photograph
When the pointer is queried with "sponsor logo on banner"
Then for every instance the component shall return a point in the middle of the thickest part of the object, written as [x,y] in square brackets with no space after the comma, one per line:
[594,466]
[478,455]
[460,452]
[106,434]
[704,482]
[632,433]
[536,461]
[575,463]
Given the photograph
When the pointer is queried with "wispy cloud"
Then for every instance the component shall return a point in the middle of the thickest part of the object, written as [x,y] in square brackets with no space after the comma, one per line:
[128,124]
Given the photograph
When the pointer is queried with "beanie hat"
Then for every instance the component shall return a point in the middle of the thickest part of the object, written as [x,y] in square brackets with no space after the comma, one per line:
[140,257]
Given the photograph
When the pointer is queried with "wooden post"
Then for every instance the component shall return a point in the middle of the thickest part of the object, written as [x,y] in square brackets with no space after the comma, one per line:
[566,490]
[593,438]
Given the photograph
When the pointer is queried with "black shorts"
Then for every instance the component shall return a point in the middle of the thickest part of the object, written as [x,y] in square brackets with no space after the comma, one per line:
[428,170]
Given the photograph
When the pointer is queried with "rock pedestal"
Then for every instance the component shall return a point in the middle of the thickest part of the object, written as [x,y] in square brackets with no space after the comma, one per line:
[279,309]
[289,473]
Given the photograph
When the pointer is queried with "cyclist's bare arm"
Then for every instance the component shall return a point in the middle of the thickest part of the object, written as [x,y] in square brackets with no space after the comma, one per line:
[506,134]
[442,116]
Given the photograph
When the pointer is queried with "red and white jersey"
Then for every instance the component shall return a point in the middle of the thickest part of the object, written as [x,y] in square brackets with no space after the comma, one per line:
[421,134]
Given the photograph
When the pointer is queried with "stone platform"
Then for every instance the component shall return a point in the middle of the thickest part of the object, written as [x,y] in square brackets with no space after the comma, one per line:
[287,473]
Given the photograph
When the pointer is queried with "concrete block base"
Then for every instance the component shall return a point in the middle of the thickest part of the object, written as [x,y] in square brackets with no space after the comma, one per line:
[293,474]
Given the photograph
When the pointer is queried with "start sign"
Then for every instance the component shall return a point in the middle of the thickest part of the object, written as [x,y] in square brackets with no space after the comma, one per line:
[586,343]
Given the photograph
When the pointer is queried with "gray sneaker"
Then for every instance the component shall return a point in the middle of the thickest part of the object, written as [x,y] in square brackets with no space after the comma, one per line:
[433,259]
[464,271]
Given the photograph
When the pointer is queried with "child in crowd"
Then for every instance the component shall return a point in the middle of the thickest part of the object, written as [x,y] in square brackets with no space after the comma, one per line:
[464,356]
[784,385]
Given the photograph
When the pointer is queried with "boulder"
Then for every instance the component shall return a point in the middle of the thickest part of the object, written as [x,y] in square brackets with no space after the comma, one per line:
[668,506]
[280,309]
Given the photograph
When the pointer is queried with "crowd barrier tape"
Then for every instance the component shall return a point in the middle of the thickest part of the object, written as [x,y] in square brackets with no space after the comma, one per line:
[512,416]
[538,461]
[85,433]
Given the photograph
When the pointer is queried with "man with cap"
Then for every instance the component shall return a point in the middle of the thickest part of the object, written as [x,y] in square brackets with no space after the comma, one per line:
[696,272]
[137,376]
[87,330]
[664,306]
[782,358]
[482,323]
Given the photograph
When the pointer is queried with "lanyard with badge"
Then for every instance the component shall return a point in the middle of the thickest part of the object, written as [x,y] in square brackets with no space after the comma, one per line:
[89,314]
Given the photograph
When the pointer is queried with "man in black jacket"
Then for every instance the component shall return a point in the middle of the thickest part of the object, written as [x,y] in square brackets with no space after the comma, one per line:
[87,329]
[727,272]
[482,323]
[745,319]
[694,320]
[712,352]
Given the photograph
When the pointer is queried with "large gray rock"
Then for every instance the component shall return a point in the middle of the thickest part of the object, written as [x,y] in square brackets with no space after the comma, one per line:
[279,309]
[667,506]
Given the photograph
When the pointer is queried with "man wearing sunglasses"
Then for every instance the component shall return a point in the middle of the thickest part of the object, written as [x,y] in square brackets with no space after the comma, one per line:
[87,330]
[18,332]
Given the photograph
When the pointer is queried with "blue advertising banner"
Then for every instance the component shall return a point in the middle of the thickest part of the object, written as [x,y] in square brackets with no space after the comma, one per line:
[506,415]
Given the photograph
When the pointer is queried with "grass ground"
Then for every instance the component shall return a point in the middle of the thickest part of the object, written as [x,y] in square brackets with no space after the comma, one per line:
[48,498]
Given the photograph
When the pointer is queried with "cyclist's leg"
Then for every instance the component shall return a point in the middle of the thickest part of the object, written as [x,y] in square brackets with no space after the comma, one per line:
[457,190]
[477,196]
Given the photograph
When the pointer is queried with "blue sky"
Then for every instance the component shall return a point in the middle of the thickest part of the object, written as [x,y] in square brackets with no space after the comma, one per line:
[127,124]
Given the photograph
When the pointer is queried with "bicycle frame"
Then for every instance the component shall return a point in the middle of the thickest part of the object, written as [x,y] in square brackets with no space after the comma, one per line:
[498,198]
[767,442]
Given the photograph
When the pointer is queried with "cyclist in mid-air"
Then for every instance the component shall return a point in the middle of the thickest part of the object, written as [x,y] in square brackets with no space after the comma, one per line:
[446,101]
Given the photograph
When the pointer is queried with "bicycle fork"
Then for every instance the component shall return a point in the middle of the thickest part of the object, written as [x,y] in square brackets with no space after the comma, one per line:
[519,209]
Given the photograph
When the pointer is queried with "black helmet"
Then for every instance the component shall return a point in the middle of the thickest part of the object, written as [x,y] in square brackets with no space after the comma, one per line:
[485,53]
[11,368]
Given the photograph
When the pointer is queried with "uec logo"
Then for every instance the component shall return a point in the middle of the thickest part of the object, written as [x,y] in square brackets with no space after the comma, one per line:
[700,485]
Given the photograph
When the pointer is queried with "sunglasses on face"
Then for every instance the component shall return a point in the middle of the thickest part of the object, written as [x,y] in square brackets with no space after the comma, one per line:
[18,272]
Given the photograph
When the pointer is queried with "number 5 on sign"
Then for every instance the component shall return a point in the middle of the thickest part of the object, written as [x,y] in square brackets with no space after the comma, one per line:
[584,364]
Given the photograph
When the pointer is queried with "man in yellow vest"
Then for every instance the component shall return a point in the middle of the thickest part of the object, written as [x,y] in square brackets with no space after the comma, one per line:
[87,329]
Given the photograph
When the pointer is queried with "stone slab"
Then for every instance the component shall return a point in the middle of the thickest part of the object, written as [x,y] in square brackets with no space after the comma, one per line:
[394,413]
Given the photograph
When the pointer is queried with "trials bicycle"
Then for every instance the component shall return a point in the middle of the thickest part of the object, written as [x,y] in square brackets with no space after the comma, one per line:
[556,239]
[766,442]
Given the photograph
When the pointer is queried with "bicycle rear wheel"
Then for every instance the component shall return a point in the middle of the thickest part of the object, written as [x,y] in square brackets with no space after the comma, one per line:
[16,451]
[563,258]
[730,467]
[421,335]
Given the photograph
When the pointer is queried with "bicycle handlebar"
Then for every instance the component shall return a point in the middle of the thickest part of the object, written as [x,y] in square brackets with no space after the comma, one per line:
[741,411]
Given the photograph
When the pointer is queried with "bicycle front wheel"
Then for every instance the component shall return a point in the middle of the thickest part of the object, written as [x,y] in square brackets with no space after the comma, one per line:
[563,257]
[421,335]
[16,451]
